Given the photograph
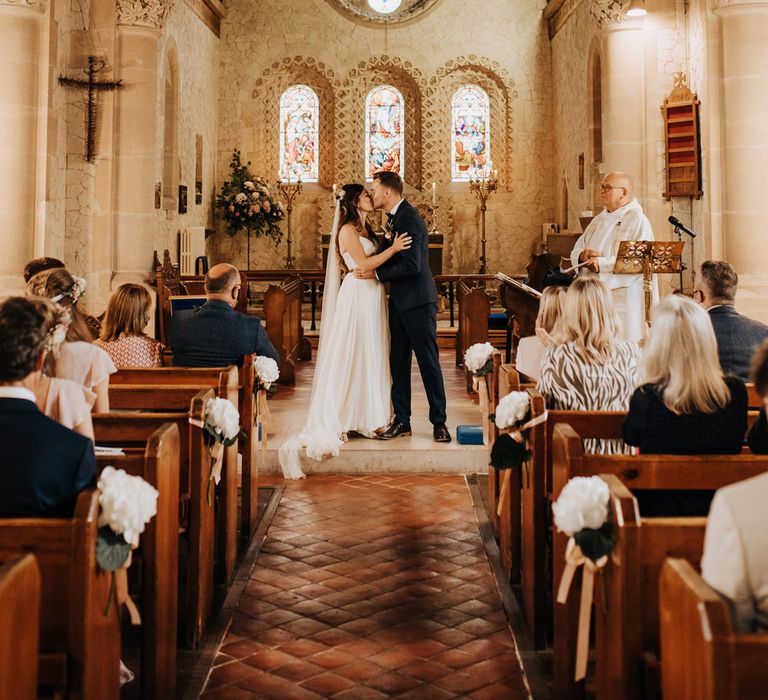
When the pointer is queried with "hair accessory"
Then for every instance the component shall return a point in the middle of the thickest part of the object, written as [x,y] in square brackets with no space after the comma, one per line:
[58,333]
[74,292]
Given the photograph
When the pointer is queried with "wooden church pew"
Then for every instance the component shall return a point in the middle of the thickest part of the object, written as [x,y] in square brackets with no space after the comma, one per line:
[20,628]
[159,466]
[474,307]
[154,396]
[282,320]
[79,643]
[132,430]
[248,447]
[708,472]
[702,658]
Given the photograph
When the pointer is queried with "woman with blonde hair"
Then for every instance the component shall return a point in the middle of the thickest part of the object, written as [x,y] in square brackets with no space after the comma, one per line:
[63,400]
[588,367]
[685,404]
[77,358]
[531,349]
[122,330]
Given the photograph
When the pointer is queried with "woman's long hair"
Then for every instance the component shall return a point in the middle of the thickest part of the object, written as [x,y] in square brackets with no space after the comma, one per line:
[59,286]
[681,360]
[126,312]
[550,307]
[588,320]
[350,214]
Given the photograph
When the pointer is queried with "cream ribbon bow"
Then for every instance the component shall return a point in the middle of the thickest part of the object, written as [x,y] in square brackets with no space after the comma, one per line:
[575,558]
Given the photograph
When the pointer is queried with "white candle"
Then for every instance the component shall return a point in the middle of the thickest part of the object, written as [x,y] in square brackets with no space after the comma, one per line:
[434,194]
[334,190]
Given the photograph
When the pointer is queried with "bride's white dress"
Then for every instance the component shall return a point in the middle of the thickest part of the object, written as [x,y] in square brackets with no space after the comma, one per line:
[351,388]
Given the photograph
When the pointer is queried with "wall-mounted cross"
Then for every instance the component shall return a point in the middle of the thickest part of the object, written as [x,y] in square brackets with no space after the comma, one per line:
[93,86]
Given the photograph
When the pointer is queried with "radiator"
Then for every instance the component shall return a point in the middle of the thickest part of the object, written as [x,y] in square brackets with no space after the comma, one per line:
[191,246]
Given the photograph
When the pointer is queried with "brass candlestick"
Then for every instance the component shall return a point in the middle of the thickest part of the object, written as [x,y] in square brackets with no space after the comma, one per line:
[289,190]
[483,187]
[432,209]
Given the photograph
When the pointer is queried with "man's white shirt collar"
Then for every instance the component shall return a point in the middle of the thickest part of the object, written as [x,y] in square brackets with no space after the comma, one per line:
[16,392]
[395,208]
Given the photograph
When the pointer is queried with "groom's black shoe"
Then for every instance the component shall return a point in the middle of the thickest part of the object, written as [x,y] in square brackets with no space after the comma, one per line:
[441,433]
[395,429]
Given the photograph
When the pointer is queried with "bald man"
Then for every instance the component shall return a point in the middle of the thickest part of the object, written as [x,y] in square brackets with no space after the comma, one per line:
[621,219]
[215,335]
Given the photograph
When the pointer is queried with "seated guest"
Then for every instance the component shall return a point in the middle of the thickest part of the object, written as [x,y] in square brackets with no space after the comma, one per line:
[735,561]
[530,350]
[737,336]
[76,359]
[45,465]
[215,335]
[685,405]
[122,330]
[40,265]
[758,433]
[63,400]
[588,367]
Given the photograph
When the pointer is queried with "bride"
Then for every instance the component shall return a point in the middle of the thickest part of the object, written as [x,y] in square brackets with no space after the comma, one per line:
[351,386]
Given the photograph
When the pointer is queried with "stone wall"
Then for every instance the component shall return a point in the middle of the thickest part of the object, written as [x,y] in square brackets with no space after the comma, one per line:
[269,45]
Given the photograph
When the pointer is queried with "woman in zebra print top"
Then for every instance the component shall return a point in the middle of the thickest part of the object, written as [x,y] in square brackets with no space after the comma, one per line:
[589,368]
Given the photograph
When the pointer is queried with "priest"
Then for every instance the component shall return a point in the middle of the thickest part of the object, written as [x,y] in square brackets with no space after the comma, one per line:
[622,219]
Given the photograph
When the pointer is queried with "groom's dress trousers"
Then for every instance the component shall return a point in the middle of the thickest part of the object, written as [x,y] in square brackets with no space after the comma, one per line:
[215,335]
[412,318]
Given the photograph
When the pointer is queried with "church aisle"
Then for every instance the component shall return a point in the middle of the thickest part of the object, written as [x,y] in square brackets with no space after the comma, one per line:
[370,587]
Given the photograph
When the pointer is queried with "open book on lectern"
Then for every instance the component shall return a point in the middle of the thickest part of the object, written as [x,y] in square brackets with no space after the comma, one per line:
[519,285]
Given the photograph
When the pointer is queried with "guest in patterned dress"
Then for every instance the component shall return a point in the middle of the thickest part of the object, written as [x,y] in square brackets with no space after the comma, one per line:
[122,331]
[76,359]
[685,404]
[589,367]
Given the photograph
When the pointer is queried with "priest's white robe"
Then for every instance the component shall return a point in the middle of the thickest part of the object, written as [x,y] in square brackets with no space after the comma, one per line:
[604,234]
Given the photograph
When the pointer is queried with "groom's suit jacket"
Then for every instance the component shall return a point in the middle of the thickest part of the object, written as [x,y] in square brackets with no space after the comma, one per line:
[411,281]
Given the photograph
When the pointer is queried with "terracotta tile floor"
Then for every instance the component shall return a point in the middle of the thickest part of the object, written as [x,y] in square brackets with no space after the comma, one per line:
[369,587]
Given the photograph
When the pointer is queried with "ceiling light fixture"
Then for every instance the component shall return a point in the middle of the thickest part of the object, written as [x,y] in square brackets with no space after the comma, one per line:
[636,9]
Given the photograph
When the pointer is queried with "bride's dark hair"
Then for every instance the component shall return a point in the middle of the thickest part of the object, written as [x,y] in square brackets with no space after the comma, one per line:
[350,214]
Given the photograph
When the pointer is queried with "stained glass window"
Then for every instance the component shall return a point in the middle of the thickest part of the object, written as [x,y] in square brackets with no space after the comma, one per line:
[384,6]
[470,133]
[299,117]
[384,116]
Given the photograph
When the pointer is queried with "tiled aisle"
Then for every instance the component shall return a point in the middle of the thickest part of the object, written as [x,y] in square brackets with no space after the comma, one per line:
[370,587]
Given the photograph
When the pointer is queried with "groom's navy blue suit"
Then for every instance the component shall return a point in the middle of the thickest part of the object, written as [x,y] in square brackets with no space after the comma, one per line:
[412,317]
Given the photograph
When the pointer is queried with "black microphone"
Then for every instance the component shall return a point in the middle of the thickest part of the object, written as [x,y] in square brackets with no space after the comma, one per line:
[680,225]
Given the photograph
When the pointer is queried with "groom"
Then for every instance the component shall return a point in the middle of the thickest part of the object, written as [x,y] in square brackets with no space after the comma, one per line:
[412,311]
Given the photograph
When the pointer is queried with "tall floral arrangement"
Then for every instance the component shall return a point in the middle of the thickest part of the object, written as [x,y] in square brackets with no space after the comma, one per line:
[247,202]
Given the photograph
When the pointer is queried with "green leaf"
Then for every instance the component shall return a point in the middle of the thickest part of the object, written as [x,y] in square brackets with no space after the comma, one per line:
[508,453]
[111,549]
[486,369]
[596,544]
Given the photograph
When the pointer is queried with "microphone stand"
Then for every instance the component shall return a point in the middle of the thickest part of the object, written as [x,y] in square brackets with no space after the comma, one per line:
[679,234]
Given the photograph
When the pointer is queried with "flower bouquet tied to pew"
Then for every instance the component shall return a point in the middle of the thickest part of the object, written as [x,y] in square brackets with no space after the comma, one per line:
[581,513]
[267,372]
[478,359]
[127,503]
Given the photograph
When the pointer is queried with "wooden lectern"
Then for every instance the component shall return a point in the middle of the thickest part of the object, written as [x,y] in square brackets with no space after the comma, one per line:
[649,258]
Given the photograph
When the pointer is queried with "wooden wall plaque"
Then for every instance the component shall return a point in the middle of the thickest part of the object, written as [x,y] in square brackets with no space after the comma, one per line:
[680,112]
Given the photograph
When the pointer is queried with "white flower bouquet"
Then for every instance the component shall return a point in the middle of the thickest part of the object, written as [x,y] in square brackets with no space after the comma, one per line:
[267,372]
[510,449]
[581,512]
[127,503]
[478,359]
[222,426]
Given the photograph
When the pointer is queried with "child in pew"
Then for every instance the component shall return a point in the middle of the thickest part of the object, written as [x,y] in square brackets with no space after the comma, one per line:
[531,349]
[735,560]
[685,404]
[588,367]
[77,359]
[45,465]
[63,400]
[122,330]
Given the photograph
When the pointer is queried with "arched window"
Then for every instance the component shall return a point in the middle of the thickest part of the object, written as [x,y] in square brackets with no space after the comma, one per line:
[470,133]
[384,142]
[299,147]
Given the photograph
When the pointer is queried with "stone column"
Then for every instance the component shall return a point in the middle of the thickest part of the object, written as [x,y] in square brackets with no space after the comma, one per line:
[22,24]
[139,27]
[623,79]
[744,28]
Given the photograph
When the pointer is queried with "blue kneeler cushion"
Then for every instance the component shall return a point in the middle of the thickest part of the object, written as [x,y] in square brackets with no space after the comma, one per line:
[469,434]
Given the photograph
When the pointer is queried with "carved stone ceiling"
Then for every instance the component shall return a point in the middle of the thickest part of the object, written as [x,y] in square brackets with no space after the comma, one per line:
[382,11]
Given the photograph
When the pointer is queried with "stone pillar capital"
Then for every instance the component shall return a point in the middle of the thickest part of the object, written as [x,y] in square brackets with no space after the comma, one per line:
[37,5]
[143,13]
[607,12]
[721,6]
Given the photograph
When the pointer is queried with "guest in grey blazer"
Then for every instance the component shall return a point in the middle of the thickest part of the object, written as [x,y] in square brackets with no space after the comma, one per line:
[215,335]
[738,337]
